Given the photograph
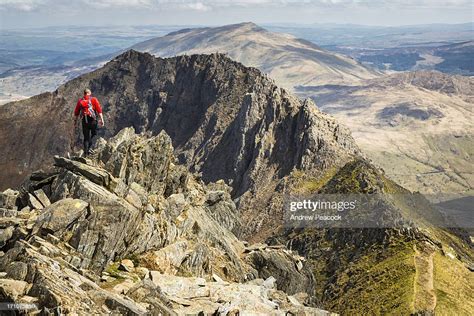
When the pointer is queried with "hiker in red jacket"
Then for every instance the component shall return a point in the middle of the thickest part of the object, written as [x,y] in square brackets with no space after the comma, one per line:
[89,109]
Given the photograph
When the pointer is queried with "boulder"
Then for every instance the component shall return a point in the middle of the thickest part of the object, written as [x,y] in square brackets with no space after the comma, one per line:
[123,287]
[59,216]
[8,199]
[12,289]
[283,267]
[8,212]
[94,174]
[144,161]
[126,265]
[5,235]
[124,306]
[142,272]
[41,196]
[17,270]
[147,292]
[34,203]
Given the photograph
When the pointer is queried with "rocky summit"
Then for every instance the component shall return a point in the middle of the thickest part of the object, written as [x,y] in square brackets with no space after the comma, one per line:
[132,232]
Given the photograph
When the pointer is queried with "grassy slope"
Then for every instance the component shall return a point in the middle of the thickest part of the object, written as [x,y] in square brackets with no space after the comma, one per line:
[379,276]
[454,286]
[379,283]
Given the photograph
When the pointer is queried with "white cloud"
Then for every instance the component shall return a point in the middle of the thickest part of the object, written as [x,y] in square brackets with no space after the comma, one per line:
[198,6]
[206,5]
[22,5]
[195,5]
[31,5]
[316,2]
[118,3]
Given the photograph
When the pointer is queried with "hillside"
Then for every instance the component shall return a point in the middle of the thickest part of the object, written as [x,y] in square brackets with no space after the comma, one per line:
[287,59]
[400,267]
[456,58]
[453,58]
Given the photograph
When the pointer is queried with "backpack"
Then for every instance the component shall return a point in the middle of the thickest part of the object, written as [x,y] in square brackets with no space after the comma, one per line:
[89,111]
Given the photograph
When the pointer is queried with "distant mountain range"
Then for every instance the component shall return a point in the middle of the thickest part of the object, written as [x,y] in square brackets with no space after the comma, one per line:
[378,37]
[26,70]
[443,47]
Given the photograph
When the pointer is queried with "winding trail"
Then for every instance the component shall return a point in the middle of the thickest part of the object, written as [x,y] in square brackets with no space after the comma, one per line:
[424,294]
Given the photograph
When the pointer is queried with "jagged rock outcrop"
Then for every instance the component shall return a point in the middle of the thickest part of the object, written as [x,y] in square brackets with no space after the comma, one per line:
[226,121]
[134,201]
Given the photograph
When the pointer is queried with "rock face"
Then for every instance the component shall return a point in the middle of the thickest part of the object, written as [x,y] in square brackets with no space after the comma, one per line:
[131,210]
[226,121]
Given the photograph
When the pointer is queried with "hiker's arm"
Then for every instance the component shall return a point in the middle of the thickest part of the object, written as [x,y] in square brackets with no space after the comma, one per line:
[76,112]
[101,119]
[98,108]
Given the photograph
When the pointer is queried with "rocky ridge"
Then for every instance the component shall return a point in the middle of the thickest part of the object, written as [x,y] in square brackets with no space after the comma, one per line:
[226,121]
[132,232]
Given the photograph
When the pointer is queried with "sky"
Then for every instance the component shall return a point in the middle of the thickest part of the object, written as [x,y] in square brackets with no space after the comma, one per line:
[41,13]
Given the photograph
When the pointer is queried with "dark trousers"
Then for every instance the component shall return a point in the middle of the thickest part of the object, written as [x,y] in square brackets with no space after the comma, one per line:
[89,129]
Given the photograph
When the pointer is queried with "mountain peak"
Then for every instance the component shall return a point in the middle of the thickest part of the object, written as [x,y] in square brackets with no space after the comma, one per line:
[244,26]
[277,54]
[132,53]
[248,26]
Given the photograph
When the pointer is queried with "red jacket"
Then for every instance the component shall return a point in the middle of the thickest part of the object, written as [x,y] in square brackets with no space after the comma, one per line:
[83,106]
